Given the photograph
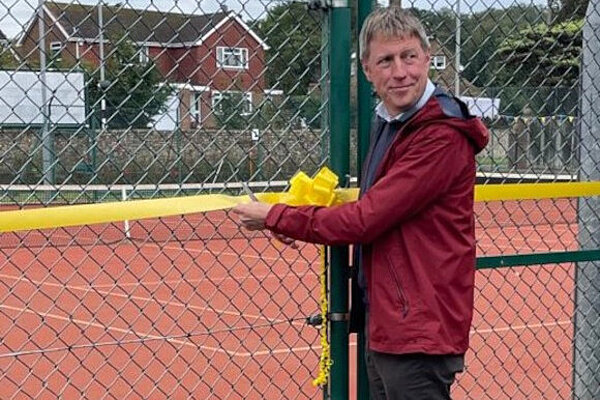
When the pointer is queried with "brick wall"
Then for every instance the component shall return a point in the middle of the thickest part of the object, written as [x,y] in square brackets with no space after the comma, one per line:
[141,156]
[191,156]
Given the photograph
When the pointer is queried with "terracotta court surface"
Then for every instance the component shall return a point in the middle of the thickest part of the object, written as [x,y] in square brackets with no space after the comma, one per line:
[190,307]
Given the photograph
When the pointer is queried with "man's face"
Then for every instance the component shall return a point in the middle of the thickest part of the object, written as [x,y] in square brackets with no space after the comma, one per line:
[398,69]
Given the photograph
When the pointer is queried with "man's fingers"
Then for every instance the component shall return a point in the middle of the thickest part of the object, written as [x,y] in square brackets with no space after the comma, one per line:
[286,240]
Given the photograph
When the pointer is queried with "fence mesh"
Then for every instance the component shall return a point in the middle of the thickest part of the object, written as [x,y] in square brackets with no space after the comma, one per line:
[114,101]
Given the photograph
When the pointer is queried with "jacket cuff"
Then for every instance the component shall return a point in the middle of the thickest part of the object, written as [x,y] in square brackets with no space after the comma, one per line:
[274,215]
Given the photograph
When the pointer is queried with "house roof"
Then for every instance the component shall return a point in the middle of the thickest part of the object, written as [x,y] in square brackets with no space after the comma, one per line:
[2,37]
[79,21]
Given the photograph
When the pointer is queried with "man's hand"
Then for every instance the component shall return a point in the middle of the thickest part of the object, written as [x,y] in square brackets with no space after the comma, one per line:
[252,215]
[285,240]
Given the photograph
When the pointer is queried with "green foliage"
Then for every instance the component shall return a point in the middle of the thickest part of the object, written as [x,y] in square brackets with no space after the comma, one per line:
[135,93]
[481,34]
[290,112]
[269,114]
[542,55]
[7,59]
[572,9]
[294,35]
[232,111]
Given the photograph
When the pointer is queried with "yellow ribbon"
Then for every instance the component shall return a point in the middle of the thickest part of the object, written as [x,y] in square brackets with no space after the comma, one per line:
[319,190]
[530,191]
[325,358]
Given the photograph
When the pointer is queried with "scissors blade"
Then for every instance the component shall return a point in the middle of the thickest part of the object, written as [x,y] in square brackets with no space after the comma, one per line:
[247,190]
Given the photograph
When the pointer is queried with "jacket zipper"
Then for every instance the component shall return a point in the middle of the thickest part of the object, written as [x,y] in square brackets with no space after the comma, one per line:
[400,292]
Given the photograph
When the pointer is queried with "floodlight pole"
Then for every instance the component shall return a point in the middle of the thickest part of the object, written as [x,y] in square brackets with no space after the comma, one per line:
[102,82]
[457,52]
[47,157]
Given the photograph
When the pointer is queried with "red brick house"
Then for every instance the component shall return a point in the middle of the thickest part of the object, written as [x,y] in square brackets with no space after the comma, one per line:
[206,57]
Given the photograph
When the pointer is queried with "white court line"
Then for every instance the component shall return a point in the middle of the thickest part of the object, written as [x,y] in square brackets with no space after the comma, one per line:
[265,258]
[521,327]
[216,254]
[352,344]
[181,248]
[269,275]
[265,352]
[140,298]
[111,328]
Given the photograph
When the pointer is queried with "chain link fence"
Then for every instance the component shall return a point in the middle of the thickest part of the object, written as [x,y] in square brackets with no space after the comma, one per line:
[116,101]
[107,101]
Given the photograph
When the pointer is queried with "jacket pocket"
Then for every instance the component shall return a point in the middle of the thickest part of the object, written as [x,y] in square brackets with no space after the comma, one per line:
[404,306]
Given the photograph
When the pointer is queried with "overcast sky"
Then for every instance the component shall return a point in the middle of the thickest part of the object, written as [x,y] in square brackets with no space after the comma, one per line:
[14,14]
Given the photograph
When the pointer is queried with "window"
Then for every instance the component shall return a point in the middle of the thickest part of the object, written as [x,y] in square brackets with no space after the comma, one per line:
[232,57]
[438,62]
[55,51]
[196,108]
[227,102]
[143,54]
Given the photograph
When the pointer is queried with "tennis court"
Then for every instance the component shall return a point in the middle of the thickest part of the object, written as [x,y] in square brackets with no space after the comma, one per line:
[114,101]
[187,307]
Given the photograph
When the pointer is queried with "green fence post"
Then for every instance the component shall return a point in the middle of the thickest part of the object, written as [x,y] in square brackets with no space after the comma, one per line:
[324,85]
[339,122]
[365,108]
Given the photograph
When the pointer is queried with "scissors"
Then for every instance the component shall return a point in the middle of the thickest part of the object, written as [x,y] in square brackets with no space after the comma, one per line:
[247,190]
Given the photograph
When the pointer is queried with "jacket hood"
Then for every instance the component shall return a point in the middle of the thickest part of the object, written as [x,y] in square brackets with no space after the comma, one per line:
[442,108]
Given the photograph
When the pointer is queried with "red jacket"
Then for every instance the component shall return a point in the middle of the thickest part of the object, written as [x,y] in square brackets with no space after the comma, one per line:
[417,224]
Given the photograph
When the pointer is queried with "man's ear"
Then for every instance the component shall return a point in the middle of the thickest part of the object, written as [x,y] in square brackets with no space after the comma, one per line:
[366,70]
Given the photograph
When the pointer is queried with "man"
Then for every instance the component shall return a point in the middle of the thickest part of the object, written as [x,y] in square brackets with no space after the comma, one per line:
[413,223]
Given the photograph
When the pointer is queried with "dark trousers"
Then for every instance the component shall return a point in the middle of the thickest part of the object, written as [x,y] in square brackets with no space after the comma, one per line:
[411,376]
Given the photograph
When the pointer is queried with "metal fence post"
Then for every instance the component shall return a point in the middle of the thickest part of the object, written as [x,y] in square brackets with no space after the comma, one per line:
[339,122]
[586,383]
[365,106]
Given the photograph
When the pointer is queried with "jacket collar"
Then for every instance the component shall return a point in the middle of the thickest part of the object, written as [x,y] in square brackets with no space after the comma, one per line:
[382,112]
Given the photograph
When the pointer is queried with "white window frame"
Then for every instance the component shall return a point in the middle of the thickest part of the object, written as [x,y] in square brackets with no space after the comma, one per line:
[438,62]
[218,95]
[196,107]
[227,54]
[56,49]
[143,54]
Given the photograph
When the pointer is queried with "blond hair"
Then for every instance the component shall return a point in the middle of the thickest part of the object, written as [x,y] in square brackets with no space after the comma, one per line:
[390,22]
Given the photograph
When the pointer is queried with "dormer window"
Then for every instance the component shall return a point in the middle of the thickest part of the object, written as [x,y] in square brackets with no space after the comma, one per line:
[55,51]
[232,57]
[438,62]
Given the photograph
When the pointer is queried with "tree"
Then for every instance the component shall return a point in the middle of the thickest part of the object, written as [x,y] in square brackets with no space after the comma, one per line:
[232,110]
[542,55]
[134,90]
[481,34]
[572,9]
[294,58]
[7,58]
[541,68]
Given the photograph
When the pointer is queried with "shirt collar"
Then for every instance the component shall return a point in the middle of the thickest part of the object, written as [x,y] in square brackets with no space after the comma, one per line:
[382,112]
